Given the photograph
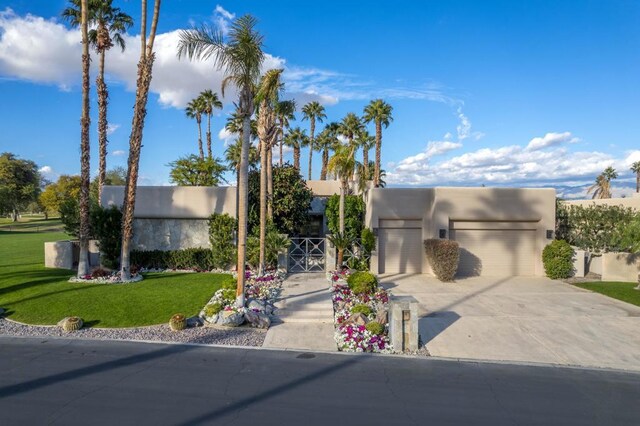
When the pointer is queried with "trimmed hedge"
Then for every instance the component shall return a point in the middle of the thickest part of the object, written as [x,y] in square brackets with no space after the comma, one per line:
[198,259]
[557,258]
[362,282]
[221,236]
[443,256]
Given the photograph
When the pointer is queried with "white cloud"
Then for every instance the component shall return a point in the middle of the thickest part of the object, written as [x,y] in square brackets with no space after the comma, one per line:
[550,139]
[223,18]
[118,153]
[48,173]
[112,127]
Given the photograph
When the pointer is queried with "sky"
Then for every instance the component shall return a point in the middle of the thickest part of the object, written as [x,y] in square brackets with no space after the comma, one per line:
[496,93]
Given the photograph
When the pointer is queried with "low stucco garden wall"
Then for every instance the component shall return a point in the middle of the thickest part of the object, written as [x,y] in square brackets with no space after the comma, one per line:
[170,234]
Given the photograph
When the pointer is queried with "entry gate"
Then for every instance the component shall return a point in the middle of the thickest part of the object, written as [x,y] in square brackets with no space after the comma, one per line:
[306,255]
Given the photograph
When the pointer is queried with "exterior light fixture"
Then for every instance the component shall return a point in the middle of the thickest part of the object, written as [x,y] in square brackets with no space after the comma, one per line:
[549,234]
[443,233]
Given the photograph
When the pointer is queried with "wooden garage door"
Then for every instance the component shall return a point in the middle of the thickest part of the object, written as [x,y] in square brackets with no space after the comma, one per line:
[497,251]
[400,250]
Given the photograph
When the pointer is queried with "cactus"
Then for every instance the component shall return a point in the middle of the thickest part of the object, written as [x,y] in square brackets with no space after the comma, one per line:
[178,322]
[72,324]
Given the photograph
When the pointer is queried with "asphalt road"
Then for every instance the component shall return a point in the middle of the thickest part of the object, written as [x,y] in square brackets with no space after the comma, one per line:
[48,381]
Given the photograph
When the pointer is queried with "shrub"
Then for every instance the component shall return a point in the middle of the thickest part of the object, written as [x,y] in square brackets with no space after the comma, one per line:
[558,259]
[106,226]
[443,256]
[362,309]
[70,216]
[353,215]
[368,241]
[375,328]
[221,236]
[212,309]
[274,243]
[198,259]
[99,273]
[362,282]
[229,283]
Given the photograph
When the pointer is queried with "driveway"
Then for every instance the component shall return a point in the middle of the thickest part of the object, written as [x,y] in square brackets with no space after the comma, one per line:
[523,319]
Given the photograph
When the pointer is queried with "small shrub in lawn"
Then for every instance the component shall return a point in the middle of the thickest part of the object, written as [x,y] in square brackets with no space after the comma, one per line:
[443,256]
[375,328]
[362,282]
[100,273]
[212,309]
[362,309]
[557,258]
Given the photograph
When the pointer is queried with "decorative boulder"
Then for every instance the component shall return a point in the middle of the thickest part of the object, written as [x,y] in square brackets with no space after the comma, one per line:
[230,318]
[195,322]
[357,319]
[71,324]
[382,316]
[256,304]
[257,319]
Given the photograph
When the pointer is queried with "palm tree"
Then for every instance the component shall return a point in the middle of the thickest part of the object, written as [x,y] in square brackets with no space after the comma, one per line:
[285,110]
[365,141]
[235,122]
[635,168]
[145,70]
[210,102]
[83,262]
[343,165]
[195,109]
[296,139]
[110,23]
[342,242]
[602,188]
[267,99]
[327,140]
[379,112]
[241,58]
[312,111]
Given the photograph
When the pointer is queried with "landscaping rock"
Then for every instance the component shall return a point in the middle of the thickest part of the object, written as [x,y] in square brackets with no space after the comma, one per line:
[382,316]
[340,304]
[257,319]
[357,319]
[2,311]
[195,322]
[230,318]
[256,304]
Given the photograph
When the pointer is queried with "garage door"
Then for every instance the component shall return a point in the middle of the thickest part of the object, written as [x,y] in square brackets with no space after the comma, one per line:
[400,247]
[495,248]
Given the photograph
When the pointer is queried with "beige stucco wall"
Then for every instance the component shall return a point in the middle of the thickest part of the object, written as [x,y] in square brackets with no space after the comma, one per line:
[633,202]
[176,202]
[438,207]
[620,267]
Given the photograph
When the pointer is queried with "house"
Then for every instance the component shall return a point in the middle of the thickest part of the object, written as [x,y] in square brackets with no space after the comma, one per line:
[501,231]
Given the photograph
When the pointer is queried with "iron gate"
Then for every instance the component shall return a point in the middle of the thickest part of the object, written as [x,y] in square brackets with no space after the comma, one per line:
[306,255]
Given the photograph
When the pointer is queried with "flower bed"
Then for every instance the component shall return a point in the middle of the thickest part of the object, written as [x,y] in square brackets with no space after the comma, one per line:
[338,276]
[361,320]
[100,276]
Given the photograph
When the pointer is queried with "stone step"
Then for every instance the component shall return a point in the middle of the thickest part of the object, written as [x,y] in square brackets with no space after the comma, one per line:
[317,320]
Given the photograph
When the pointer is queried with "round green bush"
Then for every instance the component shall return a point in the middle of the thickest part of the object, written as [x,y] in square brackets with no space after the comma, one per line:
[230,283]
[362,282]
[557,258]
[362,309]
[178,322]
[375,328]
[212,309]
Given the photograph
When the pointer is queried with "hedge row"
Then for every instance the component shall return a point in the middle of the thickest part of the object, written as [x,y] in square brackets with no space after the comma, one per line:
[199,259]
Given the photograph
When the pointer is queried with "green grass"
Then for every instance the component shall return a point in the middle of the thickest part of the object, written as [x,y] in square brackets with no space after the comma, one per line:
[32,223]
[34,294]
[617,290]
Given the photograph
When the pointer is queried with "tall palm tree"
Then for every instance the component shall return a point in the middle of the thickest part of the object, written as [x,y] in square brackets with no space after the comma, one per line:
[602,188]
[312,111]
[210,102]
[235,122]
[296,139]
[110,23]
[350,126]
[195,109]
[241,58]
[343,165]
[83,262]
[267,99]
[327,140]
[285,111]
[145,72]
[635,168]
[365,141]
[379,112]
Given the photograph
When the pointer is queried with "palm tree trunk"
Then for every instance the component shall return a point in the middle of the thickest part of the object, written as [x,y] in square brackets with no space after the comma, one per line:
[145,68]
[281,141]
[83,262]
[638,182]
[343,190]
[200,139]
[296,158]
[270,184]
[243,203]
[311,143]
[325,161]
[340,258]
[376,170]
[365,160]
[263,203]
[103,96]
[209,152]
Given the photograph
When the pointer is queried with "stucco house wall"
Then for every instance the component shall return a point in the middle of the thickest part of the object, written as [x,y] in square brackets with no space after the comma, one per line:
[633,202]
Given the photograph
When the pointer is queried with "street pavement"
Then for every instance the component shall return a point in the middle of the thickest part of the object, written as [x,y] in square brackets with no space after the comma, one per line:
[81,382]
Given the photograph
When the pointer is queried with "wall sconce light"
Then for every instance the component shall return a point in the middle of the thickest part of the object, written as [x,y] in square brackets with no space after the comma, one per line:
[442,233]
[549,234]
[375,232]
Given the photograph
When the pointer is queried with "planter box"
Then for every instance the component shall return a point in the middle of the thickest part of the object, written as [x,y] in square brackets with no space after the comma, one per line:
[65,254]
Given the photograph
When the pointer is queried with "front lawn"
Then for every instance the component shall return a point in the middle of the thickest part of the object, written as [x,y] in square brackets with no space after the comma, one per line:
[617,290]
[34,294]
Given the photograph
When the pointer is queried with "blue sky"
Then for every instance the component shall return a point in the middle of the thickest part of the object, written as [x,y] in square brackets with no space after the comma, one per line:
[501,93]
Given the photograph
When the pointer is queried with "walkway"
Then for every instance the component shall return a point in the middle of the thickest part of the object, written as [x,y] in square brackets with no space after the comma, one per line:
[527,319]
[305,315]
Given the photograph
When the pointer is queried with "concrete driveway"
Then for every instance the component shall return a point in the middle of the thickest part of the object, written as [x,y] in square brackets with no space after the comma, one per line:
[523,319]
